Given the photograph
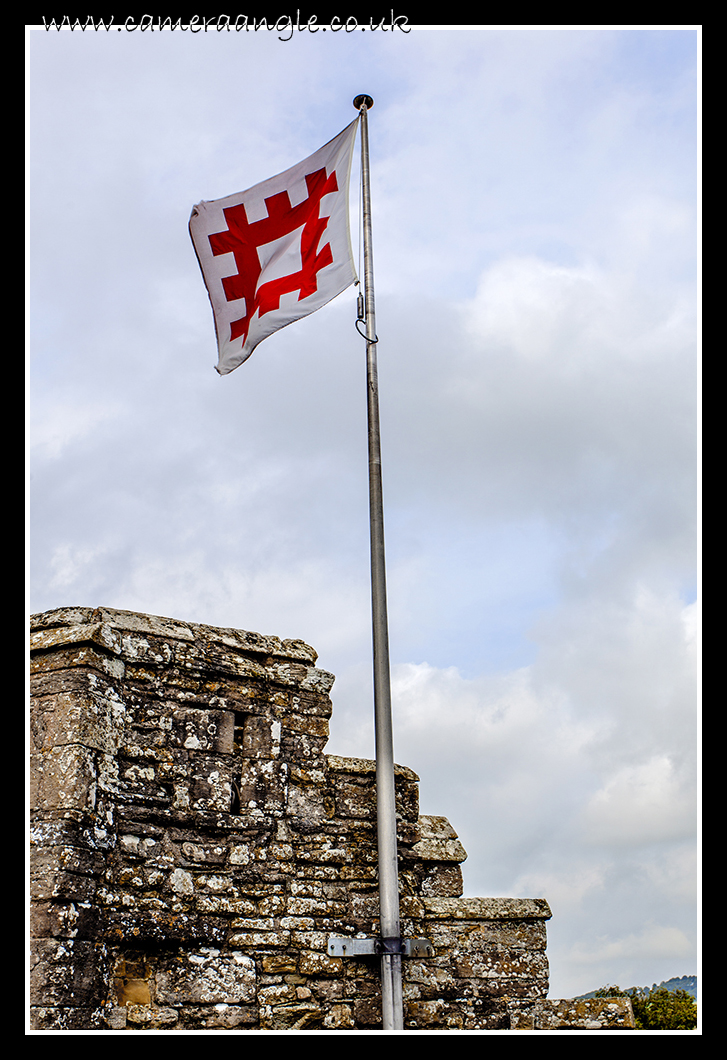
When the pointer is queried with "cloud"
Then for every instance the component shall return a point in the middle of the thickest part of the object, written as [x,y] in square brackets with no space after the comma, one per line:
[646,803]
[656,941]
[57,424]
[627,660]
[533,307]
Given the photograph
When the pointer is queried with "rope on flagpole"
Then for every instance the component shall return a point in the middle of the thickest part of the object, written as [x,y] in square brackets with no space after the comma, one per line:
[361,301]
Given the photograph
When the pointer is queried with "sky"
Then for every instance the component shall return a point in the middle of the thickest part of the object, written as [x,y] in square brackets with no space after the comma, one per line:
[535,237]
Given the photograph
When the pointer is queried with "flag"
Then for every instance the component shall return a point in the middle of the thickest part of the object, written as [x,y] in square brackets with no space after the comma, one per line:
[277,252]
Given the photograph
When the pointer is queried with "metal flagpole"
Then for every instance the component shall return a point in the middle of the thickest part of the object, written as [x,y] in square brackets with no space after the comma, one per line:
[391,944]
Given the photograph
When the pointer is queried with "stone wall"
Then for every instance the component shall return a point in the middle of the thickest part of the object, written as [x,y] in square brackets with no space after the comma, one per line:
[194,849]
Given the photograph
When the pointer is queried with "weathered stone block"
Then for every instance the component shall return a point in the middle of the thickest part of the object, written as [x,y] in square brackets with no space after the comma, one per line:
[310,724]
[132,925]
[63,778]
[339,1018]
[226,1017]
[65,872]
[440,850]
[98,633]
[62,616]
[206,976]
[439,1015]
[211,784]
[148,1017]
[442,881]
[615,1013]
[313,963]
[202,729]
[263,785]
[78,656]
[355,797]
[69,920]
[485,935]
[132,992]
[93,720]
[205,853]
[66,1018]
[200,657]
[291,1017]
[65,972]
[261,737]
[303,702]
[296,675]
[500,964]
[254,940]
[488,908]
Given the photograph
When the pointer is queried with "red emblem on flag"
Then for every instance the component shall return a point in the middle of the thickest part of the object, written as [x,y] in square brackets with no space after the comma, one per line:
[243,239]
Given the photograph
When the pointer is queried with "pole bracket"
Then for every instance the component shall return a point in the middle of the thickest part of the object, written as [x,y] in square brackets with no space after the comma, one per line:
[342,947]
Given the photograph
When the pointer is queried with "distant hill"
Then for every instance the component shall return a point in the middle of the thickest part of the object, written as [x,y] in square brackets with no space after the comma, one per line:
[686,982]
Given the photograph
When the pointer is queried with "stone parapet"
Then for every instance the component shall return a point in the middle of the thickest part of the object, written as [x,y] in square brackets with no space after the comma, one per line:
[194,847]
[584,1014]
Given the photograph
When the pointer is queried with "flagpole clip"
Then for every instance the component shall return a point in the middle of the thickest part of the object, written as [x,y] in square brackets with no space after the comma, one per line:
[363,333]
[361,318]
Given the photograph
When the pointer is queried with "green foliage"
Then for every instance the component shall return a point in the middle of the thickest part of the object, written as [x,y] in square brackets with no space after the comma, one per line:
[609,991]
[665,1010]
[659,1009]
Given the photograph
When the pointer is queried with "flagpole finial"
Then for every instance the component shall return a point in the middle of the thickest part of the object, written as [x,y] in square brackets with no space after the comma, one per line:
[361,101]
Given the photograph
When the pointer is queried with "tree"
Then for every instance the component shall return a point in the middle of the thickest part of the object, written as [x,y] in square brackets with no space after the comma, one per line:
[664,1010]
[658,1009]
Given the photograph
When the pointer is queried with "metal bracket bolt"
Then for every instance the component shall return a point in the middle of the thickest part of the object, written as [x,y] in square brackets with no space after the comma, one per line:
[340,947]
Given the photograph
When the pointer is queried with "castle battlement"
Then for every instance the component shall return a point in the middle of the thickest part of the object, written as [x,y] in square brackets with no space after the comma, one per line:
[194,849]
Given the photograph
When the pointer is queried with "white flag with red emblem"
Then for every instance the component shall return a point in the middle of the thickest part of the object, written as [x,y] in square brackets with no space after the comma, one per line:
[277,252]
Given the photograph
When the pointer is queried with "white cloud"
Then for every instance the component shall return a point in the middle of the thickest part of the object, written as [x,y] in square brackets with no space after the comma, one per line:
[655,941]
[533,307]
[571,888]
[626,661]
[69,565]
[58,424]
[646,803]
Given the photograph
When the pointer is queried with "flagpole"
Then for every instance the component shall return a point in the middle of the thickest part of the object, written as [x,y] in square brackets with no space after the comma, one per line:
[391,992]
